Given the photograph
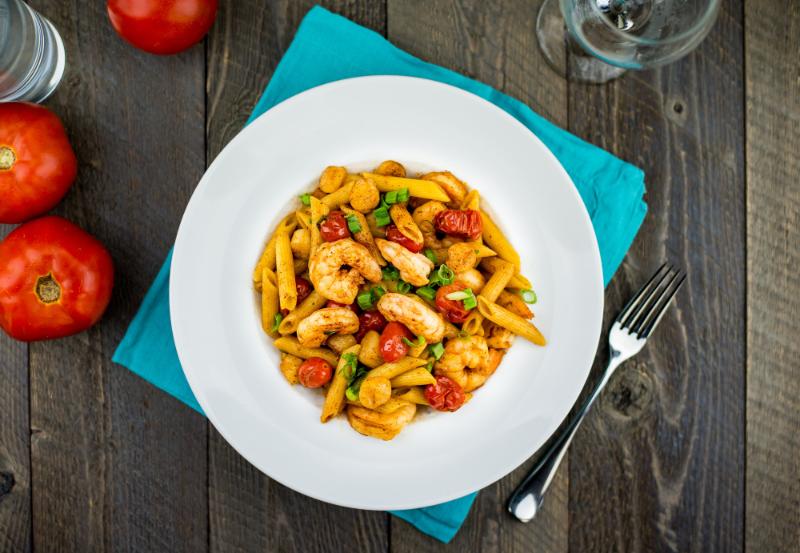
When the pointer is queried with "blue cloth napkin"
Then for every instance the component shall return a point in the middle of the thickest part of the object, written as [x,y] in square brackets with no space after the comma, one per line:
[326,48]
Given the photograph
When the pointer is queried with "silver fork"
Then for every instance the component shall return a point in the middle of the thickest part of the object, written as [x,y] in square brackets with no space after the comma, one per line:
[630,331]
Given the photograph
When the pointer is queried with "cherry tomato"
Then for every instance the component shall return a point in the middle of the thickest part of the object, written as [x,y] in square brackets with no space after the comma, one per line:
[304,289]
[461,223]
[162,26]
[314,372]
[370,320]
[391,345]
[55,280]
[453,310]
[445,394]
[393,234]
[37,164]
[334,227]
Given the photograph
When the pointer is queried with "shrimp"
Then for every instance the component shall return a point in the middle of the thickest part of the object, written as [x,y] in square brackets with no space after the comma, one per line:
[424,216]
[417,316]
[315,329]
[301,243]
[498,337]
[452,186]
[385,422]
[364,196]
[414,267]
[468,361]
[472,279]
[336,283]
[390,168]
[375,391]
[461,257]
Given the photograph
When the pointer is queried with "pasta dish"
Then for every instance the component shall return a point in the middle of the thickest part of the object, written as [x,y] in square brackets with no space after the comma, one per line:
[391,294]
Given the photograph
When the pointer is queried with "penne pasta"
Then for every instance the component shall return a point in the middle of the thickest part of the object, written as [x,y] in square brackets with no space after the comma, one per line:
[413,395]
[290,344]
[336,199]
[269,301]
[289,323]
[505,318]
[284,263]
[496,283]
[395,368]
[490,264]
[415,377]
[514,303]
[289,366]
[472,200]
[334,397]
[267,258]
[495,239]
[419,349]
[416,187]
[318,211]
[405,224]
[303,217]
[481,251]
[370,354]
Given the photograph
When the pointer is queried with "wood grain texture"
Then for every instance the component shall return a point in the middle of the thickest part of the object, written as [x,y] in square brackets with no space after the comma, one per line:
[496,44]
[248,511]
[116,463]
[662,455]
[773,285]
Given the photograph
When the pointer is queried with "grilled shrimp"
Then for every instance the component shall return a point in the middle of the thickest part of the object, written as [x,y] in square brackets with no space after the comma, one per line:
[471,278]
[390,168]
[414,267]
[338,284]
[417,316]
[301,243]
[384,423]
[314,329]
[461,257]
[364,196]
[468,361]
[498,337]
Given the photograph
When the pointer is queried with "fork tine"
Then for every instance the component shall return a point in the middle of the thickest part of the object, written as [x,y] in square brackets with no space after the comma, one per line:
[661,307]
[649,308]
[634,301]
[643,307]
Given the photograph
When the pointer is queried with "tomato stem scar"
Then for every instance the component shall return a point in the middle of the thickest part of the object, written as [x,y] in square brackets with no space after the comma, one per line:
[48,290]
[7,158]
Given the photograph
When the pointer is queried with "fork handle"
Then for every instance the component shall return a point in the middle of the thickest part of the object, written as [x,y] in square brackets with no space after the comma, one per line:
[527,499]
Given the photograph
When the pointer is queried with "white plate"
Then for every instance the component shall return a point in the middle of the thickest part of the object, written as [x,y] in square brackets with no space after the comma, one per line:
[232,366]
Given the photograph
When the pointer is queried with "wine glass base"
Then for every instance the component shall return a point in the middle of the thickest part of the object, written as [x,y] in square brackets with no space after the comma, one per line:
[565,55]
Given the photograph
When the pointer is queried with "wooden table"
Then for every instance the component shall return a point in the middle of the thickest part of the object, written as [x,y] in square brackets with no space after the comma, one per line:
[694,447]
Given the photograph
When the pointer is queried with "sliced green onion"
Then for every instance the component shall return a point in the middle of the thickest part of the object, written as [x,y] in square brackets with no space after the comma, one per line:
[429,253]
[419,342]
[391,197]
[350,367]
[306,199]
[427,293]
[443,276]
[351,393]
[470,302]
[528,296]
[365,300]
[459,295]
[403,287]
[429,366]
[353,224]
[402,195]
[377,293]
[390,272]
[277,322]
[437,350]
[382,216]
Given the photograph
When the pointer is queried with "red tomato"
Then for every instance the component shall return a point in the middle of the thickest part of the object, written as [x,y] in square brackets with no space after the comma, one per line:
[55,280]
[304,289]
[315,372]
[461,223]
[391,345]
[453,310]
[37,164]
[334,227]
[162,26]
[393,234]
[445,394]
[370,320]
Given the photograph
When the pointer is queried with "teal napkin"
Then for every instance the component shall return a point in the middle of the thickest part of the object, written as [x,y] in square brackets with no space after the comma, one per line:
[327,48]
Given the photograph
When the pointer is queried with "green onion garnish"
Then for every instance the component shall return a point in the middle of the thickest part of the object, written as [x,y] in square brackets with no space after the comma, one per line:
[277,322]
[429,253]
[403,287]
[427,293]
[350,368]
[391,197]
[528,296]
[437,350]
[353,224]
[471,302]
[466,296]
[458,295]
[365,300]
[419,342]
[429,366]
[444,275]
[402,195]
[306,199]
[351,393]
[390,272]
[382,216]
[377,292]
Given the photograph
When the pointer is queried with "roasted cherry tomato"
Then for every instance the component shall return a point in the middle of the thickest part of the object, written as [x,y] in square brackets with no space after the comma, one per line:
[162,26]
[37,164]
[445,394]
[370,320]
[393,234]
[304,289]
[453,310]
[392,346]
[334,227]
[55,280]
[461,223]
[314,372]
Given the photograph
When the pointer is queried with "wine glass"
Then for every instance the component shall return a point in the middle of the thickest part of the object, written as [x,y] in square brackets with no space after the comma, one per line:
[598,40]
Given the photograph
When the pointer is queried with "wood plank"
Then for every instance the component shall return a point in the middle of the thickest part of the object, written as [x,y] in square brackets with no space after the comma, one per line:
[116,463]
[15,467]
[658,466]
[772,43]
[248,511]
[495,44]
